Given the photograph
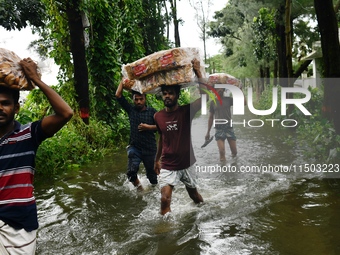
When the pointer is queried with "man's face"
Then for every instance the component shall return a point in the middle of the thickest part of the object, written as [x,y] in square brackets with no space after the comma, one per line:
[8,109]
[139,101]
[169,97]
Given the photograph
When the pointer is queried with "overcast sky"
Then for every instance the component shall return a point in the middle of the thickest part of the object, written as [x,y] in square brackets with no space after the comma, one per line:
[18,41]
[189,32]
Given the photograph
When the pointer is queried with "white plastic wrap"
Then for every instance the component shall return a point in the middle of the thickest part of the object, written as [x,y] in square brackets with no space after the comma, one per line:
[184,76]
[168,67]
[224,78]
[11,73]
[160,61]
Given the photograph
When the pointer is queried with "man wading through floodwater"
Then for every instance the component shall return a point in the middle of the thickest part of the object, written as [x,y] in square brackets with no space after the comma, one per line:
[175,155]
[142,145]
[18,148]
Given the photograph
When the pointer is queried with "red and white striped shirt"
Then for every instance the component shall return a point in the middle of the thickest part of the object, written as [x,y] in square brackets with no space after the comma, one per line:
[17,165]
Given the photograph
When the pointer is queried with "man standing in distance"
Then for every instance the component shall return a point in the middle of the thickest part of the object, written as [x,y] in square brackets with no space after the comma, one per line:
[18,146]
[142,144]
[223,131]
[175,154]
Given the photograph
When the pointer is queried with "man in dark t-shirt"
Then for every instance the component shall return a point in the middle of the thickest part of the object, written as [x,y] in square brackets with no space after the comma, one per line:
[142,144]
[175,155]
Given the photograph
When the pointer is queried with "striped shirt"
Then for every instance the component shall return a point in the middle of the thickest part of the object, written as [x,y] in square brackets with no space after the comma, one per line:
[17,161]
[146,140]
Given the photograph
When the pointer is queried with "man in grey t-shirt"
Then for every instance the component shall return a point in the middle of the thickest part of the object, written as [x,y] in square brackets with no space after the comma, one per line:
[222,131]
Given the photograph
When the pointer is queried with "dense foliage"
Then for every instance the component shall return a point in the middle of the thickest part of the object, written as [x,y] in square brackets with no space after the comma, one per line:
[74,145]
[252,34]
[314,134]
[118,32]
[19,14]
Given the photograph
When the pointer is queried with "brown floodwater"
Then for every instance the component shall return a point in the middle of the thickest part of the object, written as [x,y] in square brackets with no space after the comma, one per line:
[94,210]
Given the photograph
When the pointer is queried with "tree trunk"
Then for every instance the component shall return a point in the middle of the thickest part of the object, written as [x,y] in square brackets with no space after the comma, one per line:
[167,21]
[281,48]
[289,53]
[288,37]
[267,76]
[176,22]
[302,67]
[262,79]
[328,26]
[79,61]
[205,46]
[275,72]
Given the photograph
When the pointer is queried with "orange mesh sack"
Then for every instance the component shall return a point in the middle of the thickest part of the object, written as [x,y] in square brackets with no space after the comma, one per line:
[11,73]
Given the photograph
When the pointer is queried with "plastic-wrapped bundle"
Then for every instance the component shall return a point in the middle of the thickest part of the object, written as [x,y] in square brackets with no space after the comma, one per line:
[184,76]
[224,78]
[11,73]
[164,60]
[167,67]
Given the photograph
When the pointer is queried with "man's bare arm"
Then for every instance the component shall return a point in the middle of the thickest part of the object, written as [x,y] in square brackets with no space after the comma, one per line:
[62,111]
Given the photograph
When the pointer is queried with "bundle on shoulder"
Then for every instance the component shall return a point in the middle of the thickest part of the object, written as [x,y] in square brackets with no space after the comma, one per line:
[11,73]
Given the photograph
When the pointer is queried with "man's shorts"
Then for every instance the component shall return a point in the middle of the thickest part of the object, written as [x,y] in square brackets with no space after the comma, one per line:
[13,241]
[172,178]
[224,133]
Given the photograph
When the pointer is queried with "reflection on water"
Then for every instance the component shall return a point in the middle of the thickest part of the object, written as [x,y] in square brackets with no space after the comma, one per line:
[96,211]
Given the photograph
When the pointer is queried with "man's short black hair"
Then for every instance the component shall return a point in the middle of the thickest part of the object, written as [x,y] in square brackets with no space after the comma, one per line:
[14,92]
[176,88]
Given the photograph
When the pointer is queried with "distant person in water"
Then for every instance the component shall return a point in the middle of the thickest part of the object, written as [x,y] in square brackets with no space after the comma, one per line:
[142,145]
[222,131]
[175,155]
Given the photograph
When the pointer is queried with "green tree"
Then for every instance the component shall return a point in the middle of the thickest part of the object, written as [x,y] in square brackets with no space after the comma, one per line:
[264,42]
[233,26]
[229,25]
[21,13]
[63,40]
[116,38]
[119,32]
[152,23]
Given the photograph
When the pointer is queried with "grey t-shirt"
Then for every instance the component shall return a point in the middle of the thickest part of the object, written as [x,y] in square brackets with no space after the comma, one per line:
[222,111]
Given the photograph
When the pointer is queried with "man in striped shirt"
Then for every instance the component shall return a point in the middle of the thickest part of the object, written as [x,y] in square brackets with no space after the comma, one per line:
[18,147]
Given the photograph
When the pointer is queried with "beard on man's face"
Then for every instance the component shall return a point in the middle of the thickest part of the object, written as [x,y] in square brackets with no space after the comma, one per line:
[169,102]
[139,106]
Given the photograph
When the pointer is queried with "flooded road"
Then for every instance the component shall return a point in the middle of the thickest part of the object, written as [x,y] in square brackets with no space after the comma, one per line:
[94,210]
